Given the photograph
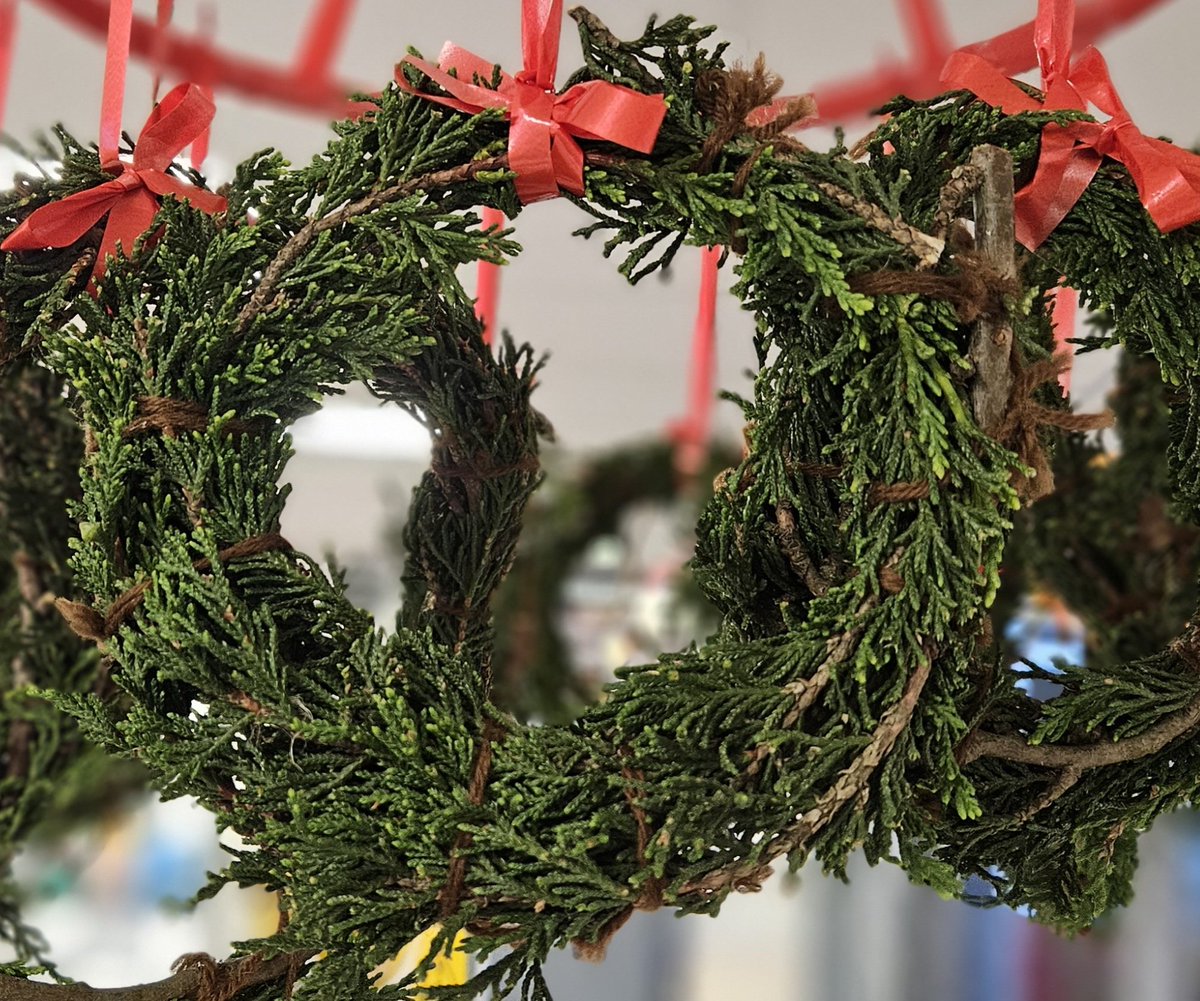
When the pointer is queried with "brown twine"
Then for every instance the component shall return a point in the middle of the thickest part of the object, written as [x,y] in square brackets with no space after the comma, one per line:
[728,97]
[451,894]
[975,290]
[89,624]
[169,417]
[1018,429]
[219,981]
[650,898]
[880,493]
[481,467]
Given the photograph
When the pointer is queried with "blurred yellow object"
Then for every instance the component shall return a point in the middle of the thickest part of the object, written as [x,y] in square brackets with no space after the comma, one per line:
[447,970]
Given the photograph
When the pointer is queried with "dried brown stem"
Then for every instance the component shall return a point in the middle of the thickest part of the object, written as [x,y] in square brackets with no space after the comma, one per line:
[196,978]
[925,248]
[290,252]
[1010,747]
[851,784]
[995,238]
[853,779]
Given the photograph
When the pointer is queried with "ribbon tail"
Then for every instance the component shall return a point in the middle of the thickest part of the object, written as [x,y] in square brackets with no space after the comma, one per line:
[599,110]
[541,25]
[176,120]
[464,96]
[61,223]
[130,217]
[969,71]
[1063,173]
[164,184]
[1053,36]
[530,158]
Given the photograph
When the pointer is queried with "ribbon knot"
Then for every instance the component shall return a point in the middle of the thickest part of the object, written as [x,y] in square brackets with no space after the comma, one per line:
[132,198]
[543,151]
[1167,177]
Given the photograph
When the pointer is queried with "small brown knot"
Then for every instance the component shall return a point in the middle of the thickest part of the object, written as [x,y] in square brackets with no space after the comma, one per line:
[1024,417]
[975,289]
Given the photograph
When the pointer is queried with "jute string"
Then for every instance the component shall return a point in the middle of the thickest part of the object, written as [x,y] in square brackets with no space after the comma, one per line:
[169,417]
[89,624]
[650,898]
[729,98]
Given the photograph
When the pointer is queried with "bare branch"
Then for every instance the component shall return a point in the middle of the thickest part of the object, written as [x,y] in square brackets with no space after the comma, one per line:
[197,977]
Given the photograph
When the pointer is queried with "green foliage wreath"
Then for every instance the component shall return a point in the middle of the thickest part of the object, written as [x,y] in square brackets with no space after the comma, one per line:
[851,699]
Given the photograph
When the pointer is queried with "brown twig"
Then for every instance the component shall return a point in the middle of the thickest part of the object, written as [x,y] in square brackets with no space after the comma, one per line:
[196,978]
[995,238]
[925,248]
[1010,747]
[805,691]
[853,780]
[851,784]
[288,254]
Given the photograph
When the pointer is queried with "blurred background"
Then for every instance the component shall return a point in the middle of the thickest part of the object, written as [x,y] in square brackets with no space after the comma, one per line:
[107,896]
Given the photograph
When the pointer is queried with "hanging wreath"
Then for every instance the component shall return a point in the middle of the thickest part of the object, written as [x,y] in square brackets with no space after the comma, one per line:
[851,699]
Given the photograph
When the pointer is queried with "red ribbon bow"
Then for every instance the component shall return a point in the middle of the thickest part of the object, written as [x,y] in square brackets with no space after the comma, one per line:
[1167,177]
[542,150]
[130,199]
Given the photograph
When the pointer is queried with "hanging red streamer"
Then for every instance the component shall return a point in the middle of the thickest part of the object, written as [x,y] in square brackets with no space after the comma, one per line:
[326,30]
[1066,304]
[131,199]
[1167,177]
[542,147]
[164,11]
[112,97]
[8,31]
[204,79]
[487,292]
[692,434]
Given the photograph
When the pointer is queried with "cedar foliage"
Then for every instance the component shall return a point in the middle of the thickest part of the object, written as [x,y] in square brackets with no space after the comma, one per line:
[378,787]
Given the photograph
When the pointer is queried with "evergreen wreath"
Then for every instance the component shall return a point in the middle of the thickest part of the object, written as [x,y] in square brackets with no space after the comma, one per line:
[852,698]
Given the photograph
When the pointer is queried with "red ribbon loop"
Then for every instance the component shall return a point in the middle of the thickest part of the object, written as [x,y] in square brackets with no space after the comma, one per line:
[1167,177]
[130,199]
[542,147]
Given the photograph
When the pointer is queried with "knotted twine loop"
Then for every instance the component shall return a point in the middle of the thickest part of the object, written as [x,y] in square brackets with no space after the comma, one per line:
[1018,429]
[734,99]
[975,290]
[651,896]
[169,417]
[86,623]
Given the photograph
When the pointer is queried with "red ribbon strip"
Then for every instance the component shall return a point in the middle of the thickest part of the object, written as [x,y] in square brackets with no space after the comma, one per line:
[163,13]
[691,434]
[8,30]
[131,199]
[116,59]
[326,30]
[542,150]
[1066,303]
[1167,177]
[487,290]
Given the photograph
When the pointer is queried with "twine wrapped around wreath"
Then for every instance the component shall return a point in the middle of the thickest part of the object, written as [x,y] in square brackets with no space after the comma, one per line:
[850,698]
